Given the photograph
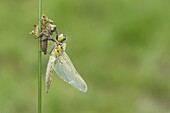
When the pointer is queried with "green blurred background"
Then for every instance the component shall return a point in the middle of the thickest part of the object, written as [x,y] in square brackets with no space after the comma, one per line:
[120,47]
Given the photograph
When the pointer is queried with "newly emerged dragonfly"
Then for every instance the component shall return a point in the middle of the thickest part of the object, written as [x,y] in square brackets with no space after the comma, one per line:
[62,65]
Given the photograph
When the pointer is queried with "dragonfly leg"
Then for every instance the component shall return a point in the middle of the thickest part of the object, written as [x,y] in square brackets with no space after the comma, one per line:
[51,38]
[48,52]
[52,49]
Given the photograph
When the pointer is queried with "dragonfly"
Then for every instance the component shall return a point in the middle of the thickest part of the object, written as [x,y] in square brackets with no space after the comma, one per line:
[60,63]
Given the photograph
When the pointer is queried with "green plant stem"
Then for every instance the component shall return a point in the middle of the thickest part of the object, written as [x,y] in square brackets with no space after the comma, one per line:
[39,60]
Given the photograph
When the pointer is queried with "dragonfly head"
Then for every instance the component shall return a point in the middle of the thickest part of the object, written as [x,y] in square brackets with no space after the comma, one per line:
[61,38]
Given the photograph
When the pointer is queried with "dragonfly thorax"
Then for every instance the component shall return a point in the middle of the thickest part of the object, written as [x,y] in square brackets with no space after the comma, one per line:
[57,50]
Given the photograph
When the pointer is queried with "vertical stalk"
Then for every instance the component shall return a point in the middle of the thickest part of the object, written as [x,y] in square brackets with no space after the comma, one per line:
[39,60]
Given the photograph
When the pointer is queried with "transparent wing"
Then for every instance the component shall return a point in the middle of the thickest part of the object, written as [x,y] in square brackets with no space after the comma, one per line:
[67,72]
[49,72]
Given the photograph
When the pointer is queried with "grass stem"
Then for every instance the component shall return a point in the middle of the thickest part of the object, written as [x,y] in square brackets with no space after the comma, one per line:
[39,60]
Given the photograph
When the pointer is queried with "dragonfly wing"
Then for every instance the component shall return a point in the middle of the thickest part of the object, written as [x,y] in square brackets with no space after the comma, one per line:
[49,72]
[67,72]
